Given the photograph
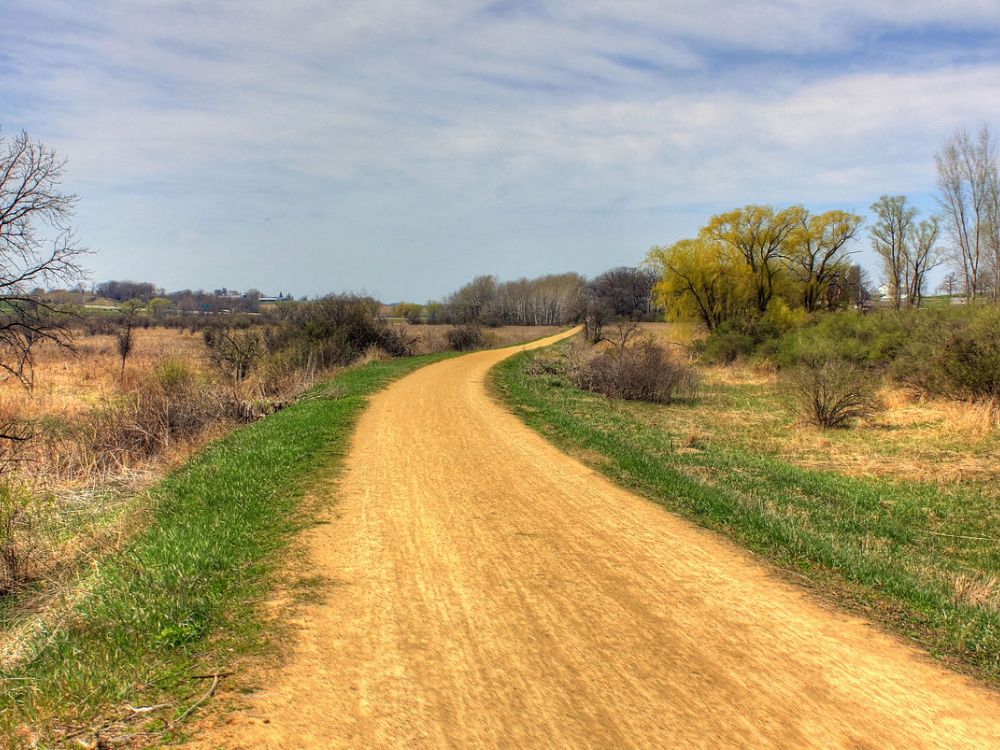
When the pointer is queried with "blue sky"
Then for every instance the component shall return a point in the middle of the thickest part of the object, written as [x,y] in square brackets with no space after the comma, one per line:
[402,148]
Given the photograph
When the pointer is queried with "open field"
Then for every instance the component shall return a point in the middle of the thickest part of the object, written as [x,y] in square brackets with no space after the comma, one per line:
[68,382]
[897,519]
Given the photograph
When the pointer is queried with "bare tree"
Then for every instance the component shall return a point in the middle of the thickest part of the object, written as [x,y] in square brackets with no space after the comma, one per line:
[948,284]
[627,291]
[967,180]
[125,333]
[921,257]
[992,271]
[889,234]
[37,247]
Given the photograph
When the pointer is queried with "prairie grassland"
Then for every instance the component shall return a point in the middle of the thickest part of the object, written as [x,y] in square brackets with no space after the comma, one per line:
[914,438]
[897,519]
[68,382]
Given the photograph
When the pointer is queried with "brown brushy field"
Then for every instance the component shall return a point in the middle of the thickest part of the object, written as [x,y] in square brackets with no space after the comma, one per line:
[68,382]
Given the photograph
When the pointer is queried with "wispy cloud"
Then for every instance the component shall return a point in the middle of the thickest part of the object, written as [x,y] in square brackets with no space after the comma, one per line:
[401,147]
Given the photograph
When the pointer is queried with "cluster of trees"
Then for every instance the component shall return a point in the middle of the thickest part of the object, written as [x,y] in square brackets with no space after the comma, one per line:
[122,291]
[160,303]
[744,261]
[908,249]
[555,299]
[547,300]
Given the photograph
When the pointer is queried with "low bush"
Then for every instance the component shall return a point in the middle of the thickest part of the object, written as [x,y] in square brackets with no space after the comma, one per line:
[155,410]
[465,337]
[641,370]
[830,392]
[18,541]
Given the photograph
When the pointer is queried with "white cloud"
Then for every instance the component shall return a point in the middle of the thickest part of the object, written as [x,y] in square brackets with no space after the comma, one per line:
[597,104]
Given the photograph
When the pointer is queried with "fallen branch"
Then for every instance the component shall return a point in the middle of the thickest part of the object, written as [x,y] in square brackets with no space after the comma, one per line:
[202,699]
[962,536]
[147,709]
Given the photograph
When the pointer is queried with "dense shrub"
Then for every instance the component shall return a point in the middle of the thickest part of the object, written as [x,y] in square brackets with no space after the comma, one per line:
[955,354]
[235,351]
[738,339]
[465,337]
[640,370]
[873,340]
[155,410]
[336,330]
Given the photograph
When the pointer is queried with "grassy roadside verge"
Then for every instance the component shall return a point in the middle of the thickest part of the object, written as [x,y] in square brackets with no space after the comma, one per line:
[920,558]
[184,597]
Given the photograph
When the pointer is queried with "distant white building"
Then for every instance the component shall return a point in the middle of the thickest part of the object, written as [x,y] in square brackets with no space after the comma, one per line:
[885,294]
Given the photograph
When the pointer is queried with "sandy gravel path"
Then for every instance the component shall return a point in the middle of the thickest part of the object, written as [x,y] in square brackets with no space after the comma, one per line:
[492,592]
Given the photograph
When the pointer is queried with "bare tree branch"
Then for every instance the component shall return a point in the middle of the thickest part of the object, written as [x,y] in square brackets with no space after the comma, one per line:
[37,247]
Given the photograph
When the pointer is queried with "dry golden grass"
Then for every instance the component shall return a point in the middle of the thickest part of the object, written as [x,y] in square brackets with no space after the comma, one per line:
[74,507]
[916,439]
[68,382]
[680,333]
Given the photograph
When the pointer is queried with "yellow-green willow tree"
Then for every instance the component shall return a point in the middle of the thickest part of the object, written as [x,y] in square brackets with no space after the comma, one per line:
[700,278]
[816,253]
[761,235]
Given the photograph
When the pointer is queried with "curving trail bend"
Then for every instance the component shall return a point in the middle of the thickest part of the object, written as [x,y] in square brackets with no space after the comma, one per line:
[492,592]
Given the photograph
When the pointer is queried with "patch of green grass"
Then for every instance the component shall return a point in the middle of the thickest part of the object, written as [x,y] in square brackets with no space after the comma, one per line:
[185,595]
[921,558]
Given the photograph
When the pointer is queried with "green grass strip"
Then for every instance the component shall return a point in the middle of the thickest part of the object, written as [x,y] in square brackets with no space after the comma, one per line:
[890,549]
[186,593]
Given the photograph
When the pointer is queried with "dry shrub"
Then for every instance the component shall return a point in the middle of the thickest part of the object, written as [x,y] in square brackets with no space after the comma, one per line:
[280,378]
[19,542]
[157,408]
[637,370]
[831,392]
[465,337]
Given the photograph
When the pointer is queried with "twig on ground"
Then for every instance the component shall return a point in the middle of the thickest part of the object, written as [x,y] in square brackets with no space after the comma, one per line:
[202,699]
[963,536]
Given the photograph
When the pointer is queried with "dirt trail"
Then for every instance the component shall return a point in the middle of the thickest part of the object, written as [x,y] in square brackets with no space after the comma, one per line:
[492,592]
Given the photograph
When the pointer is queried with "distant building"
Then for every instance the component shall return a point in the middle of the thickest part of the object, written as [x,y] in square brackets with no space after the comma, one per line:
[885,294]
[266,299]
